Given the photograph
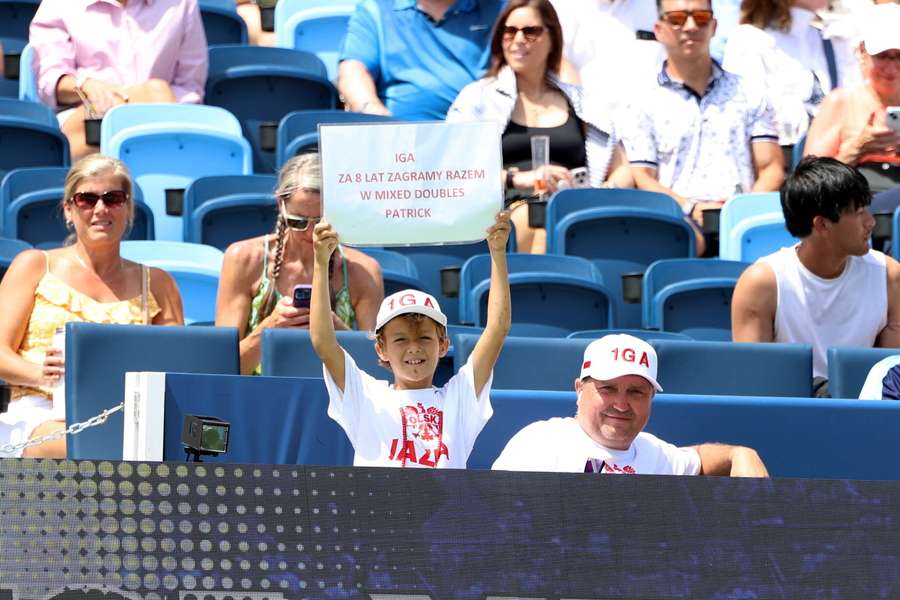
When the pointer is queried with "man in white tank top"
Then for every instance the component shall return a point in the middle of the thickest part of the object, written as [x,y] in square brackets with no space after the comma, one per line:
[831,289]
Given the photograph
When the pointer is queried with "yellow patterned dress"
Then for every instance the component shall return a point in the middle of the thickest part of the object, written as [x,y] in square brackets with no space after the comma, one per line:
[55,304]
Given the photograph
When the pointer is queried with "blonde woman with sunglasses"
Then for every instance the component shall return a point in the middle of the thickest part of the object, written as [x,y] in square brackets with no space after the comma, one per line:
[259,274]
[86,280]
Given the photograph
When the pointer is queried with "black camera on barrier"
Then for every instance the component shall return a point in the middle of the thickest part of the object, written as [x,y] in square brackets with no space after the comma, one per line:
[204,436]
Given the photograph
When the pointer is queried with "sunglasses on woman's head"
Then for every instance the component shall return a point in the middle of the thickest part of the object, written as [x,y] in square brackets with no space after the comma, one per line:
[530,33]
[89,199]
[677,18]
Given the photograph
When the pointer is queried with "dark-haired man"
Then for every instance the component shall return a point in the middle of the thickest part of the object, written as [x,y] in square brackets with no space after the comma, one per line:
[831,289]
[698,133]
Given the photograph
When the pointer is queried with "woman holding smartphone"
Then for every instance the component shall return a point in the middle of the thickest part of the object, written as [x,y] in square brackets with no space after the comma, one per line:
[256,288]
[523,93]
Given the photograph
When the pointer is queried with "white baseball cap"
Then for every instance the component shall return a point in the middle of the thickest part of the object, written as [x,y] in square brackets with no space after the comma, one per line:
[880,28]
[409,301]
[619,354]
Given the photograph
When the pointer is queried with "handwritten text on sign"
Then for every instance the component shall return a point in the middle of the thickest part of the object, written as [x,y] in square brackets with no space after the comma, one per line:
[411,183]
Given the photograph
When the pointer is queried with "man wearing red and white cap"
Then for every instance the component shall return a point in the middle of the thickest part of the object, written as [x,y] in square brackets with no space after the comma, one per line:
[615,391]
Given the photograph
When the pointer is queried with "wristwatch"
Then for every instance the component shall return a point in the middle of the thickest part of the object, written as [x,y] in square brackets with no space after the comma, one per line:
[510,174]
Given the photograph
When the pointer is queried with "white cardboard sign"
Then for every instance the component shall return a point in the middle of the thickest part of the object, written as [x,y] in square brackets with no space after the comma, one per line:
[396,184]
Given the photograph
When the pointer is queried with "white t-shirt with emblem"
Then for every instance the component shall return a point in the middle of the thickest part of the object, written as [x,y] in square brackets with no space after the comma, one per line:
[433,427]
[560,445]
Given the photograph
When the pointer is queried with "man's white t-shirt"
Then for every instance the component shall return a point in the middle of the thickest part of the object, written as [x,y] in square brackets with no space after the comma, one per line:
[434,427]
[560,445]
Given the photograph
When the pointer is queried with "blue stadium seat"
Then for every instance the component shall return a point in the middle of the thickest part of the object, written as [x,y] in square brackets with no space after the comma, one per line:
[553,295]
[644,334]
[30,136]
[289,353]
[27,89]
[849,367]
[167,146]
[9,248]
[430,260]
[30,208]
[222,23]
[751,226]
[734,369]
[530,363]
[637,227]
[298,131]
[15,17]
[895,234]
[691,296]
[397,270]
[195,268]
[98,356]
[261,85]
[316,26]
[219,210]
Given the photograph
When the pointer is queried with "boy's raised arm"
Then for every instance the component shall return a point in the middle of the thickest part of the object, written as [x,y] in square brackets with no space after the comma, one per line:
[321,328]
[499,311]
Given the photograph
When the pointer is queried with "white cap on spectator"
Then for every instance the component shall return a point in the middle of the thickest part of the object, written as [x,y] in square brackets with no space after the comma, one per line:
[409,301]
[881,28]
[619,354]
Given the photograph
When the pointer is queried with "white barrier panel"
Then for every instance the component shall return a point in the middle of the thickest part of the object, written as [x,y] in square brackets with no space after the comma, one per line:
[411,183]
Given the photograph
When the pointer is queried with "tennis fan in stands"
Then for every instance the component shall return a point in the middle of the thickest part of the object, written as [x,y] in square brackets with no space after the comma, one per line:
[258,275]
[615,392]
[696,132]
[831,289]
[782,47]
[411,58]
[411,423]
[523,93]
[87,280]
[95,54]
[610,45]
[851,125]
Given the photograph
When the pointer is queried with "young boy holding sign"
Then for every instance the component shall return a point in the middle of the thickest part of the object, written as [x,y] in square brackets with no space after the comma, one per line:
[410,423]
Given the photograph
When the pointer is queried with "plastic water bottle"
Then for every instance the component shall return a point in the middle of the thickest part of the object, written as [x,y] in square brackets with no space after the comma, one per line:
[59,390]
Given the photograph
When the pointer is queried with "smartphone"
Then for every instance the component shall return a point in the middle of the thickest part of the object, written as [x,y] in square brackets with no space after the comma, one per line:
[302,294]
[893,118]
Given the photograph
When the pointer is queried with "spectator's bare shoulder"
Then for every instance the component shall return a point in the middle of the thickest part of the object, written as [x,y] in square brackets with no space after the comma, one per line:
[758,281]
[28,267]
[835,102]
[893,278]
[246,256]
[362,269]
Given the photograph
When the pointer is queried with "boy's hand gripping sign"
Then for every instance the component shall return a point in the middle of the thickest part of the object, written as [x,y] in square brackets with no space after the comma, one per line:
[397,184]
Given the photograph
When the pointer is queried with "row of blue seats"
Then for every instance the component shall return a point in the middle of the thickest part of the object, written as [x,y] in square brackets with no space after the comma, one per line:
[553,295]
[99,355]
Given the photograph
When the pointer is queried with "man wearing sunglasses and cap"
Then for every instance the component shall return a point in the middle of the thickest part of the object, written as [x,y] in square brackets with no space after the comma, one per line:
[698,133]
[615,391]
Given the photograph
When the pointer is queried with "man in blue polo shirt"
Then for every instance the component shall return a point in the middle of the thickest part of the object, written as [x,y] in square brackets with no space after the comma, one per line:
[411,58]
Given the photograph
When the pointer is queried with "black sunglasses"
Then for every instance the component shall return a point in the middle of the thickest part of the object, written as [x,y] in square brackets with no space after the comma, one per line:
[677,18]
[111,198]
[530,33]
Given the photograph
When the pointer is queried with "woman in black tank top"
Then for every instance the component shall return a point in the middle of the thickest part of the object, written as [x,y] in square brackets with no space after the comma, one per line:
[521,88]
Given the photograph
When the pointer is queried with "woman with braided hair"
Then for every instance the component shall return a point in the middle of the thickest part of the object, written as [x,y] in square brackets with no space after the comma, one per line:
[259,274]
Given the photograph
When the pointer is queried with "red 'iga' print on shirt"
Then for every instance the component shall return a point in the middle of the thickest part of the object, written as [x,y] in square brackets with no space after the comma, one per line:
[422,441]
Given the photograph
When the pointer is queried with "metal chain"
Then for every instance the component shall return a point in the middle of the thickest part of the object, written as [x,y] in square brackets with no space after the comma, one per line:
[74,428]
